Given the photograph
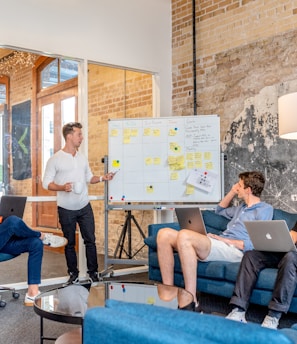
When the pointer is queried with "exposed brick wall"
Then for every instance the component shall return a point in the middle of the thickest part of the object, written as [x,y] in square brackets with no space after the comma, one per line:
[235,41]
[114,94]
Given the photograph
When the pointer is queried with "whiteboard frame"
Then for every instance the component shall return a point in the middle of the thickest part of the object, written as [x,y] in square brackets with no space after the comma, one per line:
[147,151]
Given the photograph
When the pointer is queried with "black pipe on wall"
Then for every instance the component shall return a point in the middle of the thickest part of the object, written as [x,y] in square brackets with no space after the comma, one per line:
[194,57]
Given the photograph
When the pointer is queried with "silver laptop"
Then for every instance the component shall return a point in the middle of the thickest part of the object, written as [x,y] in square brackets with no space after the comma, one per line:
[191,218]
[12,205]
[273,235]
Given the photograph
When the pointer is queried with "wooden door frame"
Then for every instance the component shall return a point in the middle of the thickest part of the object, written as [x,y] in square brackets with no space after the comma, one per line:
[36,95]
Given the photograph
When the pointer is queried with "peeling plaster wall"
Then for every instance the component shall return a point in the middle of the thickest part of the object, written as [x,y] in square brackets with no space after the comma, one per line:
[252,143]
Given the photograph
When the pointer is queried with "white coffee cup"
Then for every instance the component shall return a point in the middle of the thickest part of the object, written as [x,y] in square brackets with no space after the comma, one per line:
[77,187]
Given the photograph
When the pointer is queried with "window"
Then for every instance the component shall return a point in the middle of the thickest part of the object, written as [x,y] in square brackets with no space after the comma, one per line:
[3,92]
[4,89]
[57,71]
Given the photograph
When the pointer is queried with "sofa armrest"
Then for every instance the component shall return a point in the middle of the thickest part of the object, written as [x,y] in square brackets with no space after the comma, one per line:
[151,240]
[154,228]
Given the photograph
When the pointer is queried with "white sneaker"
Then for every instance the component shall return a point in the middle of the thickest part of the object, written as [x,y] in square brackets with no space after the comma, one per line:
[29,300]
[236,315]
[270,322]
[54,240]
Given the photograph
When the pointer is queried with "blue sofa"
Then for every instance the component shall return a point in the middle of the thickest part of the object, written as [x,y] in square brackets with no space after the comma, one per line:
[218,278]
[133,323]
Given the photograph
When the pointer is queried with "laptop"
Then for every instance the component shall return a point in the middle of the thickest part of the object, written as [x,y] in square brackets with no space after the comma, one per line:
[272,235]
[191,218]
[12,205]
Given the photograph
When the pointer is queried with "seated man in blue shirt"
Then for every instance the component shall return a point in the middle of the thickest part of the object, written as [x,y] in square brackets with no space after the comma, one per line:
[229,246]
[16,238]
[251,265]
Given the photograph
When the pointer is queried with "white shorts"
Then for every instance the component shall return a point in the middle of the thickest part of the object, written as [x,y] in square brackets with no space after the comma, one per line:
[219,250]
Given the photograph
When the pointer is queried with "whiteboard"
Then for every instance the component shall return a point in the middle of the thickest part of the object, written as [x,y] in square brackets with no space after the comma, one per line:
[167,159]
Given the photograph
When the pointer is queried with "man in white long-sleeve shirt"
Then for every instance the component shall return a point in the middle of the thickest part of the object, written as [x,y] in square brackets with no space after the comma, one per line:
[68,172]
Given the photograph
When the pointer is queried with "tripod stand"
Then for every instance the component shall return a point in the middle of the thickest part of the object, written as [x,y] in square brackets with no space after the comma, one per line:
[127,230]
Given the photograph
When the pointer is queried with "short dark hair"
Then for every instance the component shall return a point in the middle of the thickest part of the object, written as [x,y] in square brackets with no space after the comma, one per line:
[253,179]
[68,128]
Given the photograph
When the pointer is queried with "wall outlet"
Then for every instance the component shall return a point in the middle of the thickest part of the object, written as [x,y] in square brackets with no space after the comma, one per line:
[294,198]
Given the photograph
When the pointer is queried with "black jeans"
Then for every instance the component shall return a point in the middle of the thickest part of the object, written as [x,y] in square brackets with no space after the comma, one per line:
[251,265]
[85,219]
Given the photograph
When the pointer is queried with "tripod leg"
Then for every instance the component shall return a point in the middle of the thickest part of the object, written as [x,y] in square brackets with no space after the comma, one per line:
[138,226]
[127,230]
[121,240]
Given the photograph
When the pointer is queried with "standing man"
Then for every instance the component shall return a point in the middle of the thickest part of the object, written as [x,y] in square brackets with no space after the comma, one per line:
[68,172]
[229,246]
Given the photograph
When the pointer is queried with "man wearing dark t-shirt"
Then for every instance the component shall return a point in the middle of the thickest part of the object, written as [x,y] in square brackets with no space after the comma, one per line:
[251,265]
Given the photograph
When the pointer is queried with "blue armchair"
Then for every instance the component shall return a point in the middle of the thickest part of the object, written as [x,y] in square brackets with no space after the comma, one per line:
[4,257]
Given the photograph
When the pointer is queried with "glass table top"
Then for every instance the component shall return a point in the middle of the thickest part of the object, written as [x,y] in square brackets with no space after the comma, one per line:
[69,304]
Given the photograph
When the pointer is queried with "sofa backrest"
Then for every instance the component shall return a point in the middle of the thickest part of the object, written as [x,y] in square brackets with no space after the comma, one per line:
[290,218]
[124,322]
[214,223]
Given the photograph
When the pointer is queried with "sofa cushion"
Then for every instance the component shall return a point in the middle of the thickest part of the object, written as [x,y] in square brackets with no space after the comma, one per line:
[215,270]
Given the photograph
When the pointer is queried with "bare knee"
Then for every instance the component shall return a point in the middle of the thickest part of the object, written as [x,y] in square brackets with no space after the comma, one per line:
[167,236]
[184,238]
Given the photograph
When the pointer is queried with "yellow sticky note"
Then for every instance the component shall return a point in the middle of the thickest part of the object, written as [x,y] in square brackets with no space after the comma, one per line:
[156,132]
[209,165]
[114,132]
[190,156]
[151,300]
[149,189]
[115,163]
[146,131]
[127,132]
[190,164]
[180,159]
[148,161]
[207,155]
[134,132]
[157,161]
[174,176]
[189,189]
[126,139]
[171,160]
[198,164]
[172,132]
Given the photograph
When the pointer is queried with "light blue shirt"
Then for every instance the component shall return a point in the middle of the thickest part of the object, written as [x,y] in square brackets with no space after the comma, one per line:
[236,228]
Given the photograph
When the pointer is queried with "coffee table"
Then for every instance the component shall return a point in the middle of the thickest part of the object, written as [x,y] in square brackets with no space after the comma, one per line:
[47,304]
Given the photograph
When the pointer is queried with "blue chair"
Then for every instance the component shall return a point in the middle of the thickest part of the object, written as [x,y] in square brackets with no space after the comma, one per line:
[4,257]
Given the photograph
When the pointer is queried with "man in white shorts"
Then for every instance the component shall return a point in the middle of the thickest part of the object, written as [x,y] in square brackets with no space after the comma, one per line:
[228,246]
